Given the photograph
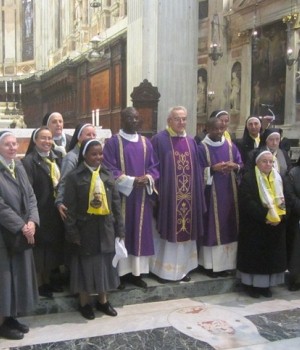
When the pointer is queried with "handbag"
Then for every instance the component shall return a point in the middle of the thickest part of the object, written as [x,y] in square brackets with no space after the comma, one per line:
[15,242]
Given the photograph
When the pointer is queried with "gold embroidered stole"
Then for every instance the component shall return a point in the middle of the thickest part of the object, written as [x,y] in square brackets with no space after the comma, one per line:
[183,171]
[227,136]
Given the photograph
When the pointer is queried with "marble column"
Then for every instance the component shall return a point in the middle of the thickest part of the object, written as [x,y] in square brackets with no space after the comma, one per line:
[291,86]
[9,35]
[43,20]
[162,44]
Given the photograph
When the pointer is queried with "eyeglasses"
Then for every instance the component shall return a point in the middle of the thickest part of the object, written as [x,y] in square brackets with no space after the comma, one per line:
[180,119]
[265,161]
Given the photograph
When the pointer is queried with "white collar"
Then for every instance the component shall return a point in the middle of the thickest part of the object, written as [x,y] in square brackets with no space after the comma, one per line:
[129,137]
[91,168]
[43,154]
[62,138]
[210,142]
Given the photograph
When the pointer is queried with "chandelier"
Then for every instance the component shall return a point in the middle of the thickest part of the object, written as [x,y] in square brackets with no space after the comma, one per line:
[96,53]
[254,33]
[290,20]
[215,52]
[290,58]
[99,50]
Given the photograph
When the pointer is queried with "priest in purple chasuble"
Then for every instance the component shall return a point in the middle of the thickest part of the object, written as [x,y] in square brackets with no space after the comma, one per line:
[181,201]
[220,162]
[131,158]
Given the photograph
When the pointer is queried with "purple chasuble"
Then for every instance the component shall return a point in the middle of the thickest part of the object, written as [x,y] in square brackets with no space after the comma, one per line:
[221,218]
[180,188]
[138,159]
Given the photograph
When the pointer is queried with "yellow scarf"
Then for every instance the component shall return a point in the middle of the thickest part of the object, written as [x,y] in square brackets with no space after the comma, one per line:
[256,141]
[227,136]
[98,204]
[10,167]
[171,131]
[271,194]
[54,173]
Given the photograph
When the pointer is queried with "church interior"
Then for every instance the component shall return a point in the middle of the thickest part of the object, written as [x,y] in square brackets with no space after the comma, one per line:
[90,59]
[83,57]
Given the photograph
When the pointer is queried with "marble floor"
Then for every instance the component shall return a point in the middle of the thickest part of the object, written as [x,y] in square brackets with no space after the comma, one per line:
[224,321]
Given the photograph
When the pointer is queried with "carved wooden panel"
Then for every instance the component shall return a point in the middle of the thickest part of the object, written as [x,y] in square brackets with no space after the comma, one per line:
[77,88]
[99,88]
[23,145]
[145,99]
[104,121]
[146,118]
[117,85]
[115,122]
[83,106]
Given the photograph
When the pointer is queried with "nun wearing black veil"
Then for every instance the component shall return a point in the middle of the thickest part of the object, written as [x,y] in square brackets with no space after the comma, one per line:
[261,261]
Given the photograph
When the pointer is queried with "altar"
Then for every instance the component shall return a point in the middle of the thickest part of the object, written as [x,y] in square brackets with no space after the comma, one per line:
[10,117]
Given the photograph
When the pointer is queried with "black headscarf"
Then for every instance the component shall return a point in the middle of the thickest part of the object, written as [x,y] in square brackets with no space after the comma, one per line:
[267,133]
[45,118]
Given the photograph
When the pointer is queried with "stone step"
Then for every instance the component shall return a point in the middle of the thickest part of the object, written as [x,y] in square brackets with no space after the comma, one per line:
[200,285]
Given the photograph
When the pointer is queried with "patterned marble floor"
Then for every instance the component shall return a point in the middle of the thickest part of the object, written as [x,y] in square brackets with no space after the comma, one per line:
[225,321]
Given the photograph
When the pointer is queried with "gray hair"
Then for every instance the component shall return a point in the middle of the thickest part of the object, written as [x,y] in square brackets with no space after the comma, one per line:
[176,108]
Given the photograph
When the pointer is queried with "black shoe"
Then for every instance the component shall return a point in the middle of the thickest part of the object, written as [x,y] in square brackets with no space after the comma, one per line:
[9,333]
[186,278]
[45,291]
[201,269]
[137,281]
[253,292]
[55,288]
[162,280]
[211,274]
[121,286]
[106,308]
[15,324]
[266,292]
[87,311]
[223,274]
[293,287]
